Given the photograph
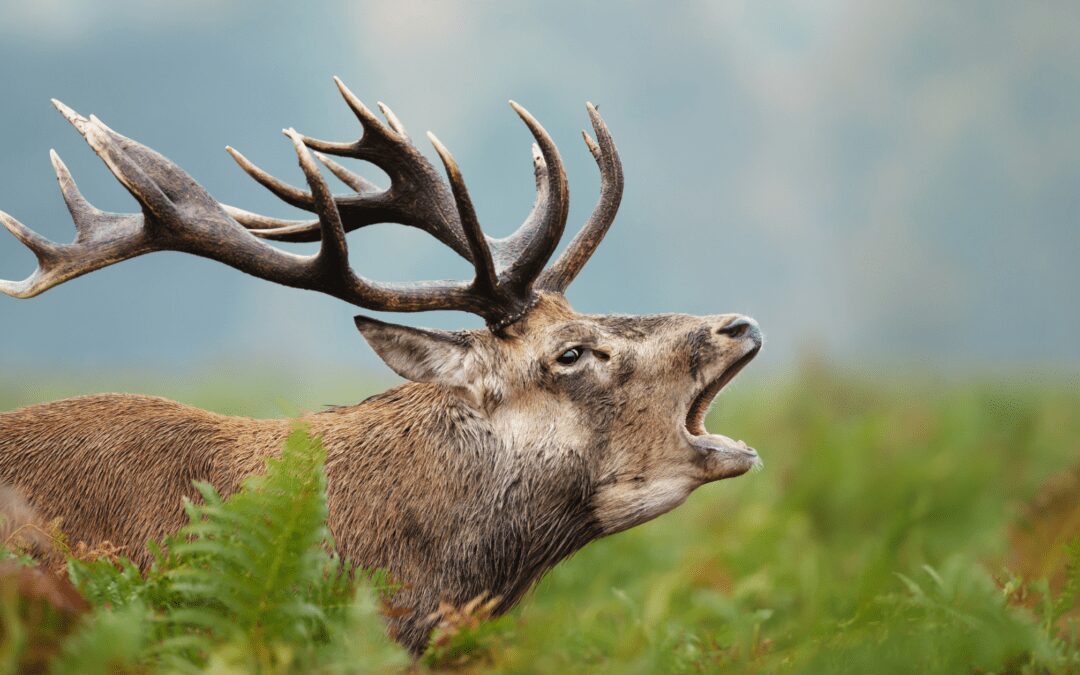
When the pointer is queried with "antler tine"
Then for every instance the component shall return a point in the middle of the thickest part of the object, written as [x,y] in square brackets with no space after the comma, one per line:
[529,248]
[81,210]
[373,128]
[486,278]
[393,120]
[43,250]
[510,247]
[268,227]
[357,182]
[368,120]
[559,276]
[287,193]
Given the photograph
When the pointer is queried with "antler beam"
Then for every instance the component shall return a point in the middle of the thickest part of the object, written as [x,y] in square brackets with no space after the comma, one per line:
[178,214]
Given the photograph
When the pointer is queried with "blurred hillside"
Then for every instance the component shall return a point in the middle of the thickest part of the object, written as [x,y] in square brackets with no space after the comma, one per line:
[889,182]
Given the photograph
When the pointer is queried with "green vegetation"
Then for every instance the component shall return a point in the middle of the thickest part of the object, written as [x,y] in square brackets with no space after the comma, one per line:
[930,526]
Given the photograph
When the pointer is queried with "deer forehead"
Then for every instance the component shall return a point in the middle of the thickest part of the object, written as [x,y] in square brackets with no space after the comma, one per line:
[552,322]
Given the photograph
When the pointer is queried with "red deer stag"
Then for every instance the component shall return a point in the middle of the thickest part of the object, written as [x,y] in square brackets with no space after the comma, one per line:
[509,450]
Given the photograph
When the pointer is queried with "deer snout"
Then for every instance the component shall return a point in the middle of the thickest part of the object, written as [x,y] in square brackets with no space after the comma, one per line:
[741,327]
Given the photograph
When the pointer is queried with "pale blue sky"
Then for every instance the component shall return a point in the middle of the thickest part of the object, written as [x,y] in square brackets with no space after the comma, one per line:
[883,182]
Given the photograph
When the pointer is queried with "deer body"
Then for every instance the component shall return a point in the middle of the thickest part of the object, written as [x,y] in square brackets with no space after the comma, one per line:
[450,519]
[511,447]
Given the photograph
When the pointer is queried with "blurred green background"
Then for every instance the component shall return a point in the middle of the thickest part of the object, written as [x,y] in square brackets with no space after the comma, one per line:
[889,188]
[918,524]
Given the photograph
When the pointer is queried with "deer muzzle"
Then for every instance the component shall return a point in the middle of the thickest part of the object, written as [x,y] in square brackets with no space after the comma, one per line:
[723,456]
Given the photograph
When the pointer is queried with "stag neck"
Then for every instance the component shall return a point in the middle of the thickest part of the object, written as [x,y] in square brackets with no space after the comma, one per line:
[496,517]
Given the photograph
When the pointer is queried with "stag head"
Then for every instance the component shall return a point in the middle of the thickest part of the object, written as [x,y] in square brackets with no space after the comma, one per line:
[622,398]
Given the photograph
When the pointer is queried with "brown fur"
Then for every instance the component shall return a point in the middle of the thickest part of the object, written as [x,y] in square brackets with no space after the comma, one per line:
[478,480]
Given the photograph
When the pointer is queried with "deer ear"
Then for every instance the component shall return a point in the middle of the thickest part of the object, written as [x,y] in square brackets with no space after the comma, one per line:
[420,354]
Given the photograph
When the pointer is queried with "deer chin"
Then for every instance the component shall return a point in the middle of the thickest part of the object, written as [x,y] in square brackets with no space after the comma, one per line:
[729,456]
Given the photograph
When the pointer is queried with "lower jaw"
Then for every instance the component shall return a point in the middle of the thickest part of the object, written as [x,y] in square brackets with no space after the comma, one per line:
[720,443]
[725,457]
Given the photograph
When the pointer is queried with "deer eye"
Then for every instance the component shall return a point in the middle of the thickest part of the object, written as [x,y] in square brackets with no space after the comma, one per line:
[570,356]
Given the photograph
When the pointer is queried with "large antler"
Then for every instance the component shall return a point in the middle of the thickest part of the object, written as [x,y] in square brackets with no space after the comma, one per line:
[178,214]
[418,197]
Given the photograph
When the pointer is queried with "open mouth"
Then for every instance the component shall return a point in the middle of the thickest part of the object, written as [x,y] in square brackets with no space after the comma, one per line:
[695,416]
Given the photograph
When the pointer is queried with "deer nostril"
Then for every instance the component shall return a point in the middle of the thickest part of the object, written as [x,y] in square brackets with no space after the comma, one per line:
[737,328]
